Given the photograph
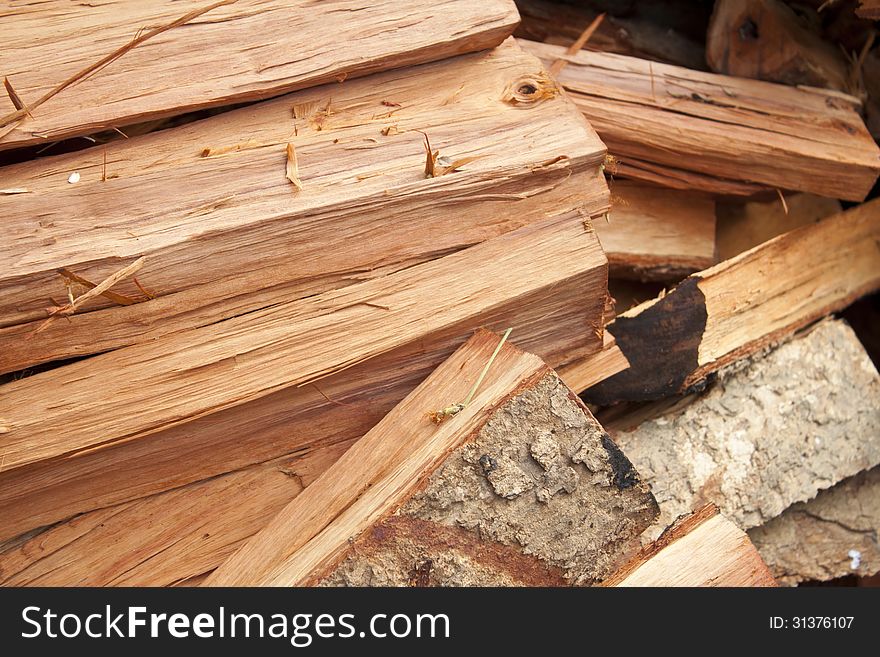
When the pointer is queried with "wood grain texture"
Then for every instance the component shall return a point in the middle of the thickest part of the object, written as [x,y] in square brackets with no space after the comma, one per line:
[741,305]
[701,549]
[341,522]
[246,50]
[237,236]
[358,488]
[803,139]
[653,233]
[561,326]
[584,372]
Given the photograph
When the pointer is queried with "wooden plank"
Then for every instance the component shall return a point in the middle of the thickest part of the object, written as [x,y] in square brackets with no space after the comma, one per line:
[561,326]
[653,233]
[731,128]
[584,372]
[833,535]
[244,50]
[238,236]
[742,225]
[701,549]
[773,432]
[182,533]
[739,306]
[342,521]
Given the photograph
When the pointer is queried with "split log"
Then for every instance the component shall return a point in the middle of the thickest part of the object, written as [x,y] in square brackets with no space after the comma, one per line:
[734,129]
[742,225]
[701,549]
[239,236]
[582,373]
[520,486]
[183,533]
[657,234]
[562,24]
[238,50]
[673,343]
[766,40]
[771,433]
[833,535]
[244,400]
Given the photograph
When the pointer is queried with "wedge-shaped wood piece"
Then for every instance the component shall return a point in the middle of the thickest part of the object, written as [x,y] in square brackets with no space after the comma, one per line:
[238,50]
[549,284]
[653,233]
[520,485]
[587,371]
[833,535]
[224,231]
[774,431]
[730,128]
[743,304]
[700,549]
[767,40]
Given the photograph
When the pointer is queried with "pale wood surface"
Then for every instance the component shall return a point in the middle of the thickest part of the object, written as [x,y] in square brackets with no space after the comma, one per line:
[238,236]
[560,326]
[802,139]
[703,549]
[379,469]
[246,50]
[584,372]
[653,233]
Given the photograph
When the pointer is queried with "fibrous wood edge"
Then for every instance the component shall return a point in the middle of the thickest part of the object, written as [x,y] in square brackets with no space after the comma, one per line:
[653,233]
[235,238]
[770,432]
[741,305]
[732,128]
[557,313]
[700,549]
[245,358]
[584,372]
[869,9]
[398,485]
[833,535]
[254,49]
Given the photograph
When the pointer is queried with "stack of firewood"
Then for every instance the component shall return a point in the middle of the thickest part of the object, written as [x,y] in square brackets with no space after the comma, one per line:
[306,294]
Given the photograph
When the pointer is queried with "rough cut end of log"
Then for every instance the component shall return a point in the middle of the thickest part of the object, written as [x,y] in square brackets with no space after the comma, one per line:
[700,549]
[523,486]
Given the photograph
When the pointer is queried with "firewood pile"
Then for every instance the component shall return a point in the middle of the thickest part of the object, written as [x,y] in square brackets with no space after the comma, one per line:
[459,293]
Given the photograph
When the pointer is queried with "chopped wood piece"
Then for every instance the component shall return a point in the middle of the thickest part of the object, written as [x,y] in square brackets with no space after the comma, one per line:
[236,236]
[701,549]
[237,51]
[546,280]
[833,535]
[657,234]
[774,431]
[522,486]
[673,343]
[804,139]
[742,225]
[561,24]
[584,372]
[766,40]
